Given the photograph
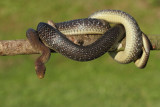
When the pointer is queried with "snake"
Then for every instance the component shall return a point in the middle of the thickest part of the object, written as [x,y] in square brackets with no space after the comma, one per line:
[53,37]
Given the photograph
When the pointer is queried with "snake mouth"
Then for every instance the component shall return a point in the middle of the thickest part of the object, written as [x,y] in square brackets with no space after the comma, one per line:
[40,76]
[40,71]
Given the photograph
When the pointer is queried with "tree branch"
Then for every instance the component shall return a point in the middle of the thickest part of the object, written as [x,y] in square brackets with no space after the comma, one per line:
[23,47]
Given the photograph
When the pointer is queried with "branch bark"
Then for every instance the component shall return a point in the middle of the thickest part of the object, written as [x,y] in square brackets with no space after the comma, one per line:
[23,47]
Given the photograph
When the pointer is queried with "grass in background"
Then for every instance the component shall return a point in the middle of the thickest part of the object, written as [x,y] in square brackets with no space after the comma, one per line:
[98,83]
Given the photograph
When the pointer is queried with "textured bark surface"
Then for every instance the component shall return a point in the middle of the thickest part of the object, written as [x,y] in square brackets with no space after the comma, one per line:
[23,47]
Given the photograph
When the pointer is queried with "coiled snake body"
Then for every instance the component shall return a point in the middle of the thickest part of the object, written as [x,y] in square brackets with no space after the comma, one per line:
[54,38]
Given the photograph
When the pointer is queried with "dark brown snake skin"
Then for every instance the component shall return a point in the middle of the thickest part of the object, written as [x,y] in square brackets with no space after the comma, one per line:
[55,40]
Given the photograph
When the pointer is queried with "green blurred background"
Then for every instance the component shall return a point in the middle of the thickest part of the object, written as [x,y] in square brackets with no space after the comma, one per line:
[99,83]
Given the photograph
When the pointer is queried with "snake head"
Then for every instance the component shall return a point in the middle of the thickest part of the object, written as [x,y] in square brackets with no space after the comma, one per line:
[40,69]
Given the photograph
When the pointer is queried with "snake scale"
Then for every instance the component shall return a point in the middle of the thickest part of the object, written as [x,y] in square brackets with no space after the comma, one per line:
[53,37]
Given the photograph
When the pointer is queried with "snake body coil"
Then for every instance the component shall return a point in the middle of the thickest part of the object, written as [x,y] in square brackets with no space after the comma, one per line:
[57,41]
[133,33]
[83,26]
